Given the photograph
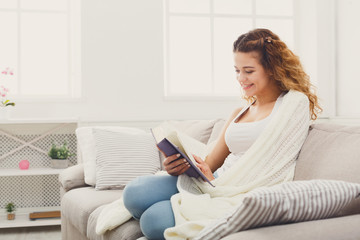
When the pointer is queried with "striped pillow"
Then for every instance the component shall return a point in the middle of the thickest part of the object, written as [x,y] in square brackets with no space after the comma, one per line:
[121,157]
[284,203]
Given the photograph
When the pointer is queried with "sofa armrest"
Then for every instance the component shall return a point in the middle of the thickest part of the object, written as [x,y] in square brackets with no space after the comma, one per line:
[72,177]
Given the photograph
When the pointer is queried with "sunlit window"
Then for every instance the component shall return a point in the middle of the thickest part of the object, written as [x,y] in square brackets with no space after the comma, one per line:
[40,42]
[199,36]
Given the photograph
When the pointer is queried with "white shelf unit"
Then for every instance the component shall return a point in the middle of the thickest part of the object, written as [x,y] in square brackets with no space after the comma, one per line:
[22,218]
[29,172]
[37,188]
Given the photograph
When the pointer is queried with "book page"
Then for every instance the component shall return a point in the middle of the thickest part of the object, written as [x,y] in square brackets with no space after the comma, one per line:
[158,134]
[169,132]
[184,142]
[173,138]
[192,146]
[162,131]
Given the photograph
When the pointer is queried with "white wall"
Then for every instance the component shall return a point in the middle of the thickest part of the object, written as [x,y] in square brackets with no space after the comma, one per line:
[122,69]
[348,59]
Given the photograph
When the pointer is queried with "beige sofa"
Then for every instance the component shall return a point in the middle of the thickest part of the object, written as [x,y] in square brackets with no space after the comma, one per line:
[329,152]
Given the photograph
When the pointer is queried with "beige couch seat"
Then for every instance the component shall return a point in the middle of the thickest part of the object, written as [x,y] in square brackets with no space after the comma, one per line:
[128,230]
[329,229]
[79,203]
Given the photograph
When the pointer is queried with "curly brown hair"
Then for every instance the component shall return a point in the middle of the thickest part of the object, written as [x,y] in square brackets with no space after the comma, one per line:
[281,64]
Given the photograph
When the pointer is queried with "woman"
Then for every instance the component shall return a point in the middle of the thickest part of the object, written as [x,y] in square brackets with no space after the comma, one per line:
[266,70]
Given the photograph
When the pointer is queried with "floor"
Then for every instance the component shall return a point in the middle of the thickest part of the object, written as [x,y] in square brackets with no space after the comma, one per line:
[32,233]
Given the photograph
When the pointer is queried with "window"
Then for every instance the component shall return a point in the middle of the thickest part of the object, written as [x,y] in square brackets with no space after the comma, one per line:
[199,35]
[40,41]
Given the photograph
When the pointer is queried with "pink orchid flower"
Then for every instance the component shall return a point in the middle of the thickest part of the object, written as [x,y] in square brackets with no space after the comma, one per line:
[8,71]
[3,91]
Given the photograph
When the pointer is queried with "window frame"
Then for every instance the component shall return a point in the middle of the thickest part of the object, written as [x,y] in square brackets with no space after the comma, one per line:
[326,68]
[73,22]
[208,97]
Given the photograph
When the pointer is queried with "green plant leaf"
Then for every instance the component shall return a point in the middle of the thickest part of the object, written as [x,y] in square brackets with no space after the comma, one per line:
[60,152]
[10,207]
[10,104]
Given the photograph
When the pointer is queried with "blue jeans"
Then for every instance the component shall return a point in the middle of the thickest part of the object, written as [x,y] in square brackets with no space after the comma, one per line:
[148,199]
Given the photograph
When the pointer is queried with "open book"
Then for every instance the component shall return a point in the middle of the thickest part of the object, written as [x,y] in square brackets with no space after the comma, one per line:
[172,142]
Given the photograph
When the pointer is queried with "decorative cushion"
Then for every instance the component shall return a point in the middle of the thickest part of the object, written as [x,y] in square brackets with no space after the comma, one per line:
[121,157]
[86,144]
[216,131]
[295,201]
[198,129]
[72,177]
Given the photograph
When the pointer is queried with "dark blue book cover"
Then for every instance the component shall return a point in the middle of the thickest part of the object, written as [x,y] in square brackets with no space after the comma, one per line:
[168,149]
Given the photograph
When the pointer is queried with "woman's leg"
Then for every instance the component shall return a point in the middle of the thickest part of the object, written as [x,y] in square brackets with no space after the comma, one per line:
[144,191]
[156,219]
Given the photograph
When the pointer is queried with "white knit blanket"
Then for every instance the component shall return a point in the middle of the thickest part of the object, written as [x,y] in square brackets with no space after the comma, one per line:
[269,161]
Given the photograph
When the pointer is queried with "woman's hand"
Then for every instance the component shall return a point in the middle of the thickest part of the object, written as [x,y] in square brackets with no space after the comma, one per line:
[175,166]
[204,167]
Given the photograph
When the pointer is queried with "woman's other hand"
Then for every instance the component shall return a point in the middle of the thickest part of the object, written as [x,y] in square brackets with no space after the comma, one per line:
[175,166]
[204,167]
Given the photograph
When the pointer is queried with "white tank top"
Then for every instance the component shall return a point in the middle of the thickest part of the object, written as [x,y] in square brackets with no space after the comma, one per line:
[240,136]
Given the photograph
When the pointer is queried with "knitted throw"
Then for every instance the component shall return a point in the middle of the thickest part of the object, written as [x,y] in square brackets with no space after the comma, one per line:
[269,161]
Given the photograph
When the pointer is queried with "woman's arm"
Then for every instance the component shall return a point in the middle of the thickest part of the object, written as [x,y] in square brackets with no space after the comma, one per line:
[219,153]
[213,161]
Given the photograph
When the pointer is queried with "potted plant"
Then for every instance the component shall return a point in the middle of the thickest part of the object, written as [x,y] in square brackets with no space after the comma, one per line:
[59,155]
[10,209]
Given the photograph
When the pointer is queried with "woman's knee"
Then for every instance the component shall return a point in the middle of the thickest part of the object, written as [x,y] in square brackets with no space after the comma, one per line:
[156,219]
[133,197]
[144,191]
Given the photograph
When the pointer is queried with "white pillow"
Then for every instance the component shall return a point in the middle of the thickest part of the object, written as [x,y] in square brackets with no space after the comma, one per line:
[86,144]
[295,201]
[198,129]
[121,157]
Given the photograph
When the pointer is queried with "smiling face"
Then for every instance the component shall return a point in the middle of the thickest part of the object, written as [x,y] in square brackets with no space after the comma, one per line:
[252,76]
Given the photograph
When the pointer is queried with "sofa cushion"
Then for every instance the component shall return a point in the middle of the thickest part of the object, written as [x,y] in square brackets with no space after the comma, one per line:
[198,129]
[122,157]
[331,151]
[79,203]
[294,201]
[216,131]
[128,230]
[86,142]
